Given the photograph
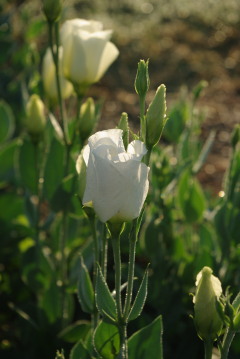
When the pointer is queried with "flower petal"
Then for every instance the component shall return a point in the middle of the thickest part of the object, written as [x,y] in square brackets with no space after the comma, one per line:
[109,55]
[137,148]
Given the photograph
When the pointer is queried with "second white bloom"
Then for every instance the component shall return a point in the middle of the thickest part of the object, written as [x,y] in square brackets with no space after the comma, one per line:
[117,181]
[87,51]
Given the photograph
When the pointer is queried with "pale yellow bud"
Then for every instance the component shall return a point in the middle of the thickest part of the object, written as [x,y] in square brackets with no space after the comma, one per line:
[35,120]
[88,119]
[206,317]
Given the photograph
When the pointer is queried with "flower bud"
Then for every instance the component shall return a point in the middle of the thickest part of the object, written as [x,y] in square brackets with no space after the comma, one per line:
[88,119]
[206,316]
[52,9]
[156,117]
[35,120]
[123,125]
[142,79]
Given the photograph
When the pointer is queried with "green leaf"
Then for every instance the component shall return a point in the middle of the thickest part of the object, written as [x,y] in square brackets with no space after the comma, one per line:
[204,152]
[56,127]
[236,302]
[191,198]
[75,331]
[7,123]
[54,168]
[106,340]
[104,300]
[28,166]
[140,298]
[79,351]
[51,302]
[176,122]
[147,342]
[7,160]
[85,290]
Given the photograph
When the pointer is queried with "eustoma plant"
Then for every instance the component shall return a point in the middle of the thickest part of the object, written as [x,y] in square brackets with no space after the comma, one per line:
[115,176]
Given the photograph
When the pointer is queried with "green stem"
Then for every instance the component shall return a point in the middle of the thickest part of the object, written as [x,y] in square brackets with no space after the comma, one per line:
[227,340]
[104,250]
[63,265]
[123,353]
[122,325]
[142,118]
[147,157]
[95,316]
[117,262]
[208,347]
[131,266]
[76,132]
[55,54]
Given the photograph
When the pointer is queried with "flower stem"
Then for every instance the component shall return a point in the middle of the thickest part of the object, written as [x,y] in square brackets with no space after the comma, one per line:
[117,262]
[227,340]
[95,316]
[104,250]
[208,347]
[131,266]
[142,118]
[63,264]
[54,29]
[121,323]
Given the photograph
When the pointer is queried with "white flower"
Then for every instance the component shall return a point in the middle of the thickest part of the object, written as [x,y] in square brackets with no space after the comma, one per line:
[117,181]
[87,51]
[49,77]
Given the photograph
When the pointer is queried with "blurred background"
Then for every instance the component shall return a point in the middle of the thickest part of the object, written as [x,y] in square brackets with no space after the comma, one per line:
[186,42]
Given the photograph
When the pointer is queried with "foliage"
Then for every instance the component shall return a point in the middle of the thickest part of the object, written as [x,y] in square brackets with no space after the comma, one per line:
[46,258]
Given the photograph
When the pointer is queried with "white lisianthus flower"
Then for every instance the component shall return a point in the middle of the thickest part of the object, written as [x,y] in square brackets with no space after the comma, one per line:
[49,77]
[117,181]
[87,51]
[206,317]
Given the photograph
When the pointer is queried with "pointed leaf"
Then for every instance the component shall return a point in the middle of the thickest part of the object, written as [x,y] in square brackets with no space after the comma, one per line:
[79,351]
[54,169]
[85,290]
[7,123]
[147,342]
[106,340]
[75,331]
[204,152]
[28,166]
[7,160]
[140,298]
[104,300]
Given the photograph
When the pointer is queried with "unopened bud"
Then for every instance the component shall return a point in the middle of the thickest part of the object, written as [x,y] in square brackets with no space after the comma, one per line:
[156,117]
[123,125]
[52,9]
[35,120]
[206,316]
[142,79]
[88,119]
